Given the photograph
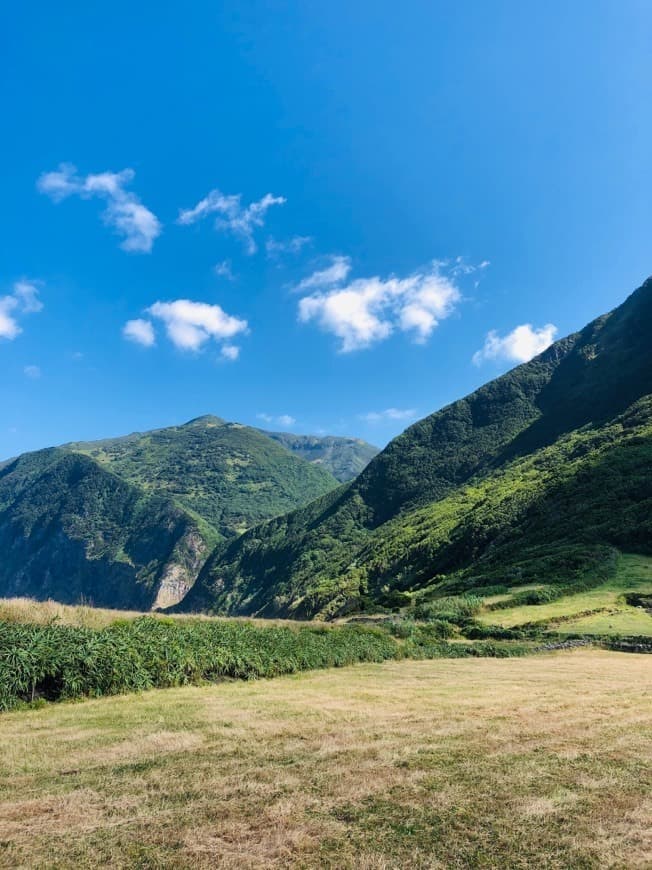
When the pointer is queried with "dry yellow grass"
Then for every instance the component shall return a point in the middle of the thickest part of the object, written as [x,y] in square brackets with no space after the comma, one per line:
[28,610]
[536,762]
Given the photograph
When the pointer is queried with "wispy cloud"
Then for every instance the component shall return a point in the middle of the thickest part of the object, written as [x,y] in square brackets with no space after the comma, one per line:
[139,331]
[33,372]
[519,345]
[124,211]
[189,325]
[234,217]
[224,269]
[368,310]
[389,414]
[283,420]
[230,352]
[295,245]
[328,277]
[23,299]
[460,266]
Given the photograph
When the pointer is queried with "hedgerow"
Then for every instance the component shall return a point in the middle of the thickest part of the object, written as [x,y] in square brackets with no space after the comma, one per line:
[58,662]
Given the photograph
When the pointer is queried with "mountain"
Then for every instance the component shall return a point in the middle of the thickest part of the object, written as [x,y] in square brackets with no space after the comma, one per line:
[344,458]
[231,475]
[536,476]
[72,531]
[128,522]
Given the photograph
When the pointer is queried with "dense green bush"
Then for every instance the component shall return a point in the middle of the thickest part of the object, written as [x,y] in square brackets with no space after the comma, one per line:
[54,662]
[394,599]
[451,609]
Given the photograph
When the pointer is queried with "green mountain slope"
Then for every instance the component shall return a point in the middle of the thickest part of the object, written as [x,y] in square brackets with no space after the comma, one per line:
[537,473]
[128,522]
[344,458]
[230,475]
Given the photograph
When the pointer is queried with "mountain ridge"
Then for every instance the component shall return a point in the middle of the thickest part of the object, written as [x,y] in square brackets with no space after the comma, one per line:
[320,558]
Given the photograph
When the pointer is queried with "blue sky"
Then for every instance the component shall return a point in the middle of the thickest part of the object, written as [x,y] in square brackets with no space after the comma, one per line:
[319,216]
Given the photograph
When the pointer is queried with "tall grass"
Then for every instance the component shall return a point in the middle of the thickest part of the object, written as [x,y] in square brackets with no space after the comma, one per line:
[55,662]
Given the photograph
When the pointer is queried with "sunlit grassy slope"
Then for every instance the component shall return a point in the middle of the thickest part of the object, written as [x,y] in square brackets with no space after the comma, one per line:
[602,610]
[516,763]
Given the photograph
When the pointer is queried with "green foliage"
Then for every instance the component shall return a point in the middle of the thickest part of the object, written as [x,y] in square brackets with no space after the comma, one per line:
[426,643]
[71,530]
[129,522]
[534,478]
[57,662]
[394,599]
[450,609]
[230,475]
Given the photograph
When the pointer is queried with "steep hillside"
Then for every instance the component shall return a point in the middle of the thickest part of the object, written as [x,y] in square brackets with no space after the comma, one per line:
[539,472]
[231,475]
[72,531]
[128,522]
[344,458]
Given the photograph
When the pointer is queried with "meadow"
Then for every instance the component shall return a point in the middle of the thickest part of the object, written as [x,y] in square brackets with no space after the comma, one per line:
[599,610]
[513,763]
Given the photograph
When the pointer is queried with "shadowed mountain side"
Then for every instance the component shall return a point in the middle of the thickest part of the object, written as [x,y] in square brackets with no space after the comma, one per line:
[72,531]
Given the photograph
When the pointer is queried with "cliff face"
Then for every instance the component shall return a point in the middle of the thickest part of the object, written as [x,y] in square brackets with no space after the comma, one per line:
[72,531]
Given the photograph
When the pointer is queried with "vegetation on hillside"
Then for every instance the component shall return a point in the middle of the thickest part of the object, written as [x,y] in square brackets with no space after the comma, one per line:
[129,522]
[230,475]
[535,477]
[71,530]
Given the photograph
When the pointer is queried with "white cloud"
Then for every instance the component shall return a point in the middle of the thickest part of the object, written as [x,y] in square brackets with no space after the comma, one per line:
[389,414]
[368,310]
[224,270]
[124,211]
[329,277]
[240,220]
[8,324]
[140,331]
[460,266]
[519,345]
[294,245]
[230,352]
[33,372]
[23,299]
[26,292]
[284,420]
[189,325]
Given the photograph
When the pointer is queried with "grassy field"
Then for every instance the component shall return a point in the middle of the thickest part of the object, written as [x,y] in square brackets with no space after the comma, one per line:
[601,610]
[538,762]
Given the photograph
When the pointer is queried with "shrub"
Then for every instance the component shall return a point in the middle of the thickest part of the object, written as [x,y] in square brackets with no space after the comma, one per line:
[54,662]
[454,609]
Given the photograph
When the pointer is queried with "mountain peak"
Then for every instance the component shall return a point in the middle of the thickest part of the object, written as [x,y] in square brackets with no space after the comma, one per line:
[206,420]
